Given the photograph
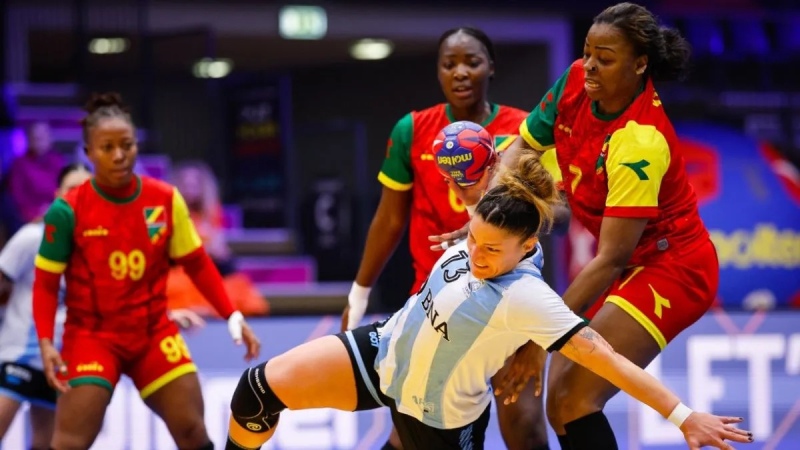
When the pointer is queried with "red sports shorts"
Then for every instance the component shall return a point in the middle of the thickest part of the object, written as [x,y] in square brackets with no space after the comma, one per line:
[668,294]
[151,362]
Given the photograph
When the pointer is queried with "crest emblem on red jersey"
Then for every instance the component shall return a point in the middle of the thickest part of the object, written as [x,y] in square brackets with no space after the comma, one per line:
[502,142]
[50,233]
[601,159]
[156,221]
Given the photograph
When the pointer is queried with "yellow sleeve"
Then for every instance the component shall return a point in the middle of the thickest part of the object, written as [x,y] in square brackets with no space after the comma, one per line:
[550,163]
[638,158]
[184,239]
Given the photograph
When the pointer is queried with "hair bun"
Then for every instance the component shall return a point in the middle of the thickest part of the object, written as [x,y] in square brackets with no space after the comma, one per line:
[529,185]
[105,100]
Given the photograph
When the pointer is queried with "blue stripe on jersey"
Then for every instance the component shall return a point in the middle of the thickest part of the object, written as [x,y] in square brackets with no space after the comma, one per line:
[464,326]
[415,319]
[30,354]
[538,257]
[386,333]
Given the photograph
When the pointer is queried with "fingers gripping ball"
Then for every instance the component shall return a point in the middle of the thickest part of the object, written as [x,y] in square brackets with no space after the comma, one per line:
[463,151]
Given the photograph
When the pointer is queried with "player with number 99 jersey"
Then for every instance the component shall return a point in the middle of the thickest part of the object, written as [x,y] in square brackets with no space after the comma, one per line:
[115,253]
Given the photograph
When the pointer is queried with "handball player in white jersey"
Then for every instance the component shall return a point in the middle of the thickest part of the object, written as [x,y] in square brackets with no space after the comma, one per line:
[21,376]
[431,362]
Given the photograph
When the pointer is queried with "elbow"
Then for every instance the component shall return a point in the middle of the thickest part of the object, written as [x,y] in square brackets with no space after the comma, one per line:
[391,222]
[398,222]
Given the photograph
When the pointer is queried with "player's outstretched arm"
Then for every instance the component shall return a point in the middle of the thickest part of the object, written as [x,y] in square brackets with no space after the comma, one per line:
[590,350]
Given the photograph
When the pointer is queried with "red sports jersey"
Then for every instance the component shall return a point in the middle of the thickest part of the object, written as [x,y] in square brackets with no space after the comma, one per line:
[115,253]
[623,165]
[409,162]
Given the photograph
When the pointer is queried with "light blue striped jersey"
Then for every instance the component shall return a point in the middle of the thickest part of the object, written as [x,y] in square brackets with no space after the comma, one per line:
[18,340]
[437,354]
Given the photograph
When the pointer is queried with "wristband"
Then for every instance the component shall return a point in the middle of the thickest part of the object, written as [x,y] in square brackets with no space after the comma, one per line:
[679,414]
[357,301]
[235,326]
[359,292]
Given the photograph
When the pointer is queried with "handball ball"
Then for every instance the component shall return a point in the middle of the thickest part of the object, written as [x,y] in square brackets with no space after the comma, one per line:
[463,151]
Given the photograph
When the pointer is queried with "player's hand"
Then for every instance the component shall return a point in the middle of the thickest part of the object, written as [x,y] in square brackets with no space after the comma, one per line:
[471,195]
[53,365]
[186,319]
[357,301]
[528,361]
[701,429]
[251,342]
[242,333]
[447,240]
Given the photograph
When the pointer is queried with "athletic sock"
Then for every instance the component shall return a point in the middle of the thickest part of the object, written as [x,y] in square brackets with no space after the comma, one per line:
[563,441]
[592,432]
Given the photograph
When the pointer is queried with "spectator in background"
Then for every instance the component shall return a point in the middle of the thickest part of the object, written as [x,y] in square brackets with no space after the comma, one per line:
[31,180]
[195,180]
[200,190]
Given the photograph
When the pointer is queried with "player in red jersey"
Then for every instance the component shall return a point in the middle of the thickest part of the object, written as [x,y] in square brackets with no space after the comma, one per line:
[413,189]
[113,238]
[623,173]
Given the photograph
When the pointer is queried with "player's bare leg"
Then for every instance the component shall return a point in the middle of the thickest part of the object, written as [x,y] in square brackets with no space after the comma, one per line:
[576,393]
[79,417]
[180,405]
[394,441]
[43,422]
[8,409]
[293,379]
[522,423]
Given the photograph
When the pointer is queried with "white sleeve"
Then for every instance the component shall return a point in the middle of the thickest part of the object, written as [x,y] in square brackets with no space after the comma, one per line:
[17,256]
[535,310]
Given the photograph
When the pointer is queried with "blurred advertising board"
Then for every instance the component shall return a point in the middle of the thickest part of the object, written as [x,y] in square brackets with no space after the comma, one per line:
[738,364]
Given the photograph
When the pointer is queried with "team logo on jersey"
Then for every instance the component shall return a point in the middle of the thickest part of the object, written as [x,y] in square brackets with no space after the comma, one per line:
[93,366]
[656,99]
[502,142]
[97,231]
[156,221]
[601,160]
[50,233]
[638,168]
[472,286]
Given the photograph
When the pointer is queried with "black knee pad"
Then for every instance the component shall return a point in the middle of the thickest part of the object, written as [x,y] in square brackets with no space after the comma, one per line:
[254,406]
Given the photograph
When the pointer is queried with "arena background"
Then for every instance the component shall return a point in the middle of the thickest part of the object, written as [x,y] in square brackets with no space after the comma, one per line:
[295,133]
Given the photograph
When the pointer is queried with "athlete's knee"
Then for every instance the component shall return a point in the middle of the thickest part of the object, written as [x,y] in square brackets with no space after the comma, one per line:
[190,433]
[570,403]
[71,441]
[555,390]
[522,424]
[254,406]
[551,408]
